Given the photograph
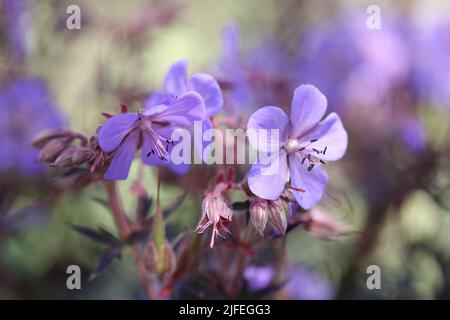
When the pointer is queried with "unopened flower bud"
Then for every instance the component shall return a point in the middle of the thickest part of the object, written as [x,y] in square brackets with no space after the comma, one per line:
[43,137]
[259,214]
[151,260]
[72,156]
[278,218]
[52,149]
[169,261]
[161,261]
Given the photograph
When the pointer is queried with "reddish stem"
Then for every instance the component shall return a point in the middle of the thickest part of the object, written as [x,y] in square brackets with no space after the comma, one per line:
[124,229]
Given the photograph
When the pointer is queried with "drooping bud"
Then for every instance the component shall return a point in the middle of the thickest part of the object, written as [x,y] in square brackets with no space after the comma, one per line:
[43,137]
[277,217]
[259,214]
[52,149]
[72,156]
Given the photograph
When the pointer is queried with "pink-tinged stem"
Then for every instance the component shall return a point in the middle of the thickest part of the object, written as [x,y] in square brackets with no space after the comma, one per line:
[124,229]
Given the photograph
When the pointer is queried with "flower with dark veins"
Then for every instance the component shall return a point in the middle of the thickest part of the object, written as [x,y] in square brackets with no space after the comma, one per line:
[302,145]
[150,130]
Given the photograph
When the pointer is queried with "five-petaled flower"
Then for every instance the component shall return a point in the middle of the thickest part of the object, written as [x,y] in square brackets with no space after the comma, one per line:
[150,130]
[302,145]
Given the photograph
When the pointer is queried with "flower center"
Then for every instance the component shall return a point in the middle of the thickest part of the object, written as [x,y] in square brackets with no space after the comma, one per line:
[310,155]
[159,148]
[292,146]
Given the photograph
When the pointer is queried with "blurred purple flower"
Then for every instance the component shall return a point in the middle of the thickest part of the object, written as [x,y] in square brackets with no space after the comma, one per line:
[151,130]
[305,285]
[344,58]
[17,17]
[303,144]
[257,76]
[25,109]
[258,278]
[432,60]
[413,134]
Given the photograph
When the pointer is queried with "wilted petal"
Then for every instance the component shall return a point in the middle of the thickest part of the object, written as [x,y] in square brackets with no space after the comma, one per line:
[120,165]
[308,107]
[313,182]
[183,112]
[332,138]
[261,129]
[175,81]
[114,130]
[209,89]
[267,178]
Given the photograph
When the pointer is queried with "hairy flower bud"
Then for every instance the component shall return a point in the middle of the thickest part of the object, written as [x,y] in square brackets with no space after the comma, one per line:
[278,219]
[259,214]
[72,156]
[169,261]
[52,149]
[160,261]
[43,137]
[152,256]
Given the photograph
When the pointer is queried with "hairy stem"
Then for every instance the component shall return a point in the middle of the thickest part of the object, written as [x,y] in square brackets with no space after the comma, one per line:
[124,229]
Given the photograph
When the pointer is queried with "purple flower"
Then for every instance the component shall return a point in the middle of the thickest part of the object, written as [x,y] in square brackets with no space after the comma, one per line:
[258,278]
[302,145]
[176,84]
[260,74]
[123,134]
[25,109]
[306,285]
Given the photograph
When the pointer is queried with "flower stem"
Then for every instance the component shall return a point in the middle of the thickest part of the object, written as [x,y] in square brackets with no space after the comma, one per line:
[241,260]
[124,229]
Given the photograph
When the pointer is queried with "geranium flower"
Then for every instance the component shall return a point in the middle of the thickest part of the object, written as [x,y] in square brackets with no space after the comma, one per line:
[303,145]
[26,108]
[150,130]
[176,84]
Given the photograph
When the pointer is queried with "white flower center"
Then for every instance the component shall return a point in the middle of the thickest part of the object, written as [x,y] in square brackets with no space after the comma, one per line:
[292,146]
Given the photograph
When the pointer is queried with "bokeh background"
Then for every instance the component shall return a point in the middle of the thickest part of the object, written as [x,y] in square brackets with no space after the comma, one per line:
[390,86]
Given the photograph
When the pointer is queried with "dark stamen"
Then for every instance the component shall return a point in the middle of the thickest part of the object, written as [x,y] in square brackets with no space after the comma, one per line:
[324,150]
[314,140]
[301,149]
[303,161]
[311,166]
[322,162]
[315,150]
[150,153]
